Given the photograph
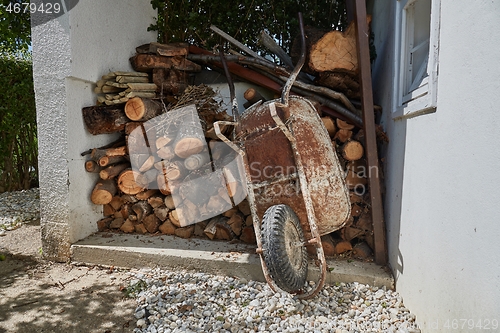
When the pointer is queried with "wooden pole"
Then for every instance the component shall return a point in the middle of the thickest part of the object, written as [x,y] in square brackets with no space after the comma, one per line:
[363,52]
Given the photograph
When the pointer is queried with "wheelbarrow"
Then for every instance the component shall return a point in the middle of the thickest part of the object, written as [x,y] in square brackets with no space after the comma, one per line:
[294,183]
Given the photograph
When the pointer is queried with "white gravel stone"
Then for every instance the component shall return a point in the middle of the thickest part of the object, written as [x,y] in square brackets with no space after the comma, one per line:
[17,208]
[183,301]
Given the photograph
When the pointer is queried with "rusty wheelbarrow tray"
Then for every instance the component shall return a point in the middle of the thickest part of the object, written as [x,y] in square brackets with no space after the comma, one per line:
[295,185]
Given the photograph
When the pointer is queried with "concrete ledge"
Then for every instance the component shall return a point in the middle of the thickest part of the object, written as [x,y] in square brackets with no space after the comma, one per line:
[137,251]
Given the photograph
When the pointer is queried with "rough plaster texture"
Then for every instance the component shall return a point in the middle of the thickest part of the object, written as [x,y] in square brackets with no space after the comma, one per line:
[69,53]
[442,172]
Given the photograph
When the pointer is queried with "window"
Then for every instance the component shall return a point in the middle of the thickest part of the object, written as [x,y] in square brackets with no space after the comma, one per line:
[417,46]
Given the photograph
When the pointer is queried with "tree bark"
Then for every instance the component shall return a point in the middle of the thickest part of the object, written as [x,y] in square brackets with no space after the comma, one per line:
[103,192]
[104,119]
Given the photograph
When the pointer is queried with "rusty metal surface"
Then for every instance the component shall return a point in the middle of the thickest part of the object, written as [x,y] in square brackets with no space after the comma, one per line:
[270,156]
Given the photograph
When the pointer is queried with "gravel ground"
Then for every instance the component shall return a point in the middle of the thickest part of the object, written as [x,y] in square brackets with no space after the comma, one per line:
[17,208]
[182,301]
[195,302]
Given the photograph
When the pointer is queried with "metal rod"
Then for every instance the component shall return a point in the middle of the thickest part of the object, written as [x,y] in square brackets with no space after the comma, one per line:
[235,42]
[298,67]
[363,52]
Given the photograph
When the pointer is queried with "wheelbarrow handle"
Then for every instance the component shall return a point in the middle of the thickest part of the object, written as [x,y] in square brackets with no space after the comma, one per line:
[221,136]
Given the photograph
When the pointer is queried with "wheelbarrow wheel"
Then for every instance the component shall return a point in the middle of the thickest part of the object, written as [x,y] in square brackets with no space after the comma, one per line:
[283,248]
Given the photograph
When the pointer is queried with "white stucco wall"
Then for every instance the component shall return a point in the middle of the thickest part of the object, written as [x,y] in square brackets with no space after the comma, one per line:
[69,54]
[442,172]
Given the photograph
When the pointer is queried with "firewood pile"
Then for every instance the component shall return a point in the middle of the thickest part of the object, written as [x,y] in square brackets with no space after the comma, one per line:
[138,191]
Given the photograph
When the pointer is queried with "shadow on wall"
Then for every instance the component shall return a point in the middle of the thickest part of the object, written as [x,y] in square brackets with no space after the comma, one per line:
[394,154]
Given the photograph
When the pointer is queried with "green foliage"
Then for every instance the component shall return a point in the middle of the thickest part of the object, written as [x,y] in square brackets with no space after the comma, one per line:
[18,142]
[15,30]
[189,20]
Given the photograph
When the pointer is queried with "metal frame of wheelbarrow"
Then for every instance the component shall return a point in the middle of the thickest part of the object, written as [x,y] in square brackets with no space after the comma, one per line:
[315,240]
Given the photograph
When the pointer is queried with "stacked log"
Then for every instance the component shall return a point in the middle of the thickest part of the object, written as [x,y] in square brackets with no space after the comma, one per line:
[147,178]
[118,87]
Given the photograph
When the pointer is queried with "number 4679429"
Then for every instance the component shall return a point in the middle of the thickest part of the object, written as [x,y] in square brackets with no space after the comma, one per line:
[25,7]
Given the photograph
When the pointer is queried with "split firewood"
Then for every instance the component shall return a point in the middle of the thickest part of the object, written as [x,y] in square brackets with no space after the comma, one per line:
[161,213]
[217,203]
[199,229]
[151,223]
[354,181]
[364,222]
[234,187]
[112,171]
[219,229]
[187,213]
[142,209]
[132,79]
[131,182]
[344,125]
[174,218]
[248,235]
[166,153]
[190,138]
[329,125]
[342,246]
[143,109]
[169,202]
[103,119]
[155,200]
[349,233]
[140,229]
[185,232]
[128,226]
[164,140]
[230,212]
[356,210]
[174,171]
[244,207]
[103,192]
[103,224]
[328,246]
[117,223]
[108,210]
[196,161]
[167,228]
[126,211]
[148,62]
[147,194]
[352,150]
[361,251]
[236,223]
[117,202]
[163,184]
[249,221]
[355,198]
[343,135]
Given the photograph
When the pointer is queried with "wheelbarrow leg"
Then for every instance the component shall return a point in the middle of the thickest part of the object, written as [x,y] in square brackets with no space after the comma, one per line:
[251,201]
[311,216]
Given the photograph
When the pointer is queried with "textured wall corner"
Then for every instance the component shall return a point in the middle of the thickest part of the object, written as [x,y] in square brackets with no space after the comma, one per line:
[69,53]
[55,242]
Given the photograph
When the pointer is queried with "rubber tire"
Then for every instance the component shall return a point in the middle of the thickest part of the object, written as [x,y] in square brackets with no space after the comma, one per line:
[289,275]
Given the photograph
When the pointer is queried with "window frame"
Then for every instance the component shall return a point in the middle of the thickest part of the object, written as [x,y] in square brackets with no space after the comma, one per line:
[424,97]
